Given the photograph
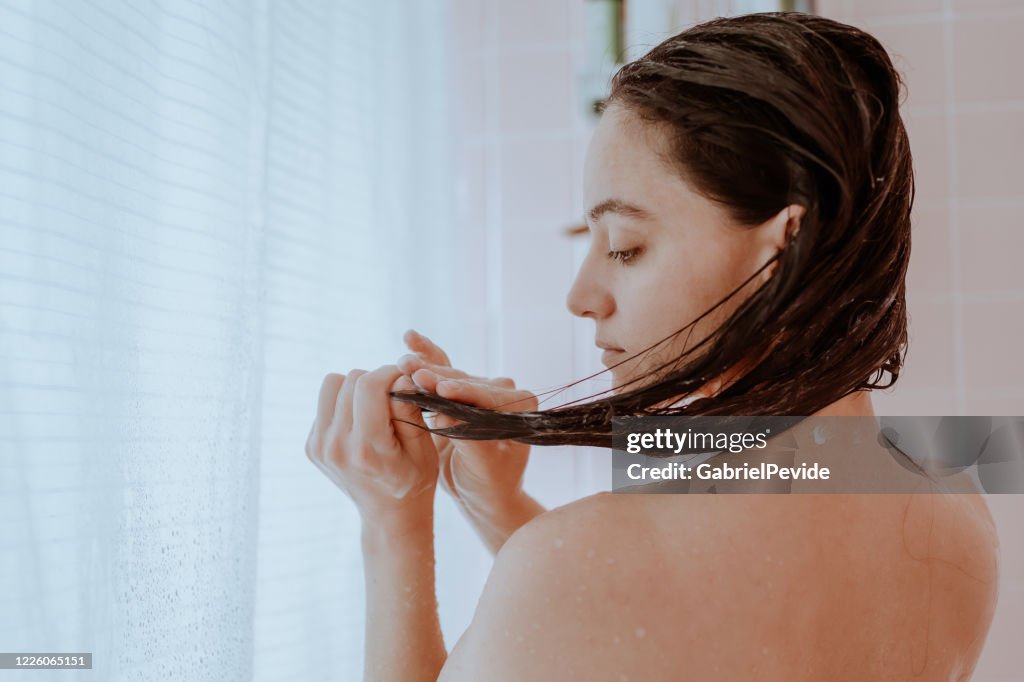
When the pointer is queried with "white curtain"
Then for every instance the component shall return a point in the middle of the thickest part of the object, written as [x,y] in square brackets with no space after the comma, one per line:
[204,207]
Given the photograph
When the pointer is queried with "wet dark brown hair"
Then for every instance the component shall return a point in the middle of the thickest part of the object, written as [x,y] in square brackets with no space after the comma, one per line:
[767,110]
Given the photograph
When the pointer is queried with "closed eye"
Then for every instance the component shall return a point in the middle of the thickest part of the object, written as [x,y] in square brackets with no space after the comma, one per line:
[625,257]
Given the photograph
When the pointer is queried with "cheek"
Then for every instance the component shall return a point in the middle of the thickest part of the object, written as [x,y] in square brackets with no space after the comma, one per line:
[671,296]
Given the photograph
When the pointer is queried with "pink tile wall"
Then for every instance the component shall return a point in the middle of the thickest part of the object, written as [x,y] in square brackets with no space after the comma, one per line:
[522,139]
[965,114]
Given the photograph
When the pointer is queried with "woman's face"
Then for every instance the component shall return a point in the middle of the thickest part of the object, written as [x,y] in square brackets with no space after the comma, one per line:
[660,254]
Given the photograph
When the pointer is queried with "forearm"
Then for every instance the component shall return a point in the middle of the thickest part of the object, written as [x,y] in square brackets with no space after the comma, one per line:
[403,634]
[495,523]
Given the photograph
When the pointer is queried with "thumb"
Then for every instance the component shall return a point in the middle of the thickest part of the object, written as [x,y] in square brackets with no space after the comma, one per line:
[407,420]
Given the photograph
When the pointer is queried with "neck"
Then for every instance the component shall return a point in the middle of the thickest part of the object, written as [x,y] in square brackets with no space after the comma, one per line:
[857,404]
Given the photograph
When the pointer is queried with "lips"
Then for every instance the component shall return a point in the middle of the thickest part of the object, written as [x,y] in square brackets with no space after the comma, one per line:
[610,354]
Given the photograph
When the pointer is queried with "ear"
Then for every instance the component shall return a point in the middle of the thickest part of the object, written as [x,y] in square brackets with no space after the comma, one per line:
[775,233]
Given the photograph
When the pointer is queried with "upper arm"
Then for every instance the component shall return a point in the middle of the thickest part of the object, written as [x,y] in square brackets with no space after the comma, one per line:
[535,615]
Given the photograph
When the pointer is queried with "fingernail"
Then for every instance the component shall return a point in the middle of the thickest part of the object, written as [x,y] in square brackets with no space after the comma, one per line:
[428,373]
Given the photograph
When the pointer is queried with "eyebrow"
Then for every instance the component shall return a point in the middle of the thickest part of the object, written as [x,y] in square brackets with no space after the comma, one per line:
[620,207]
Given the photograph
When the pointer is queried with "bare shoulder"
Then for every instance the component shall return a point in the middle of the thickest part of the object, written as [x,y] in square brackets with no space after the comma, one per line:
[557,604]
[635,587]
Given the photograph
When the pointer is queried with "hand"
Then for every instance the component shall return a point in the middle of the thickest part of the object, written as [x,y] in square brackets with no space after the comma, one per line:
[477,473]
[385,466]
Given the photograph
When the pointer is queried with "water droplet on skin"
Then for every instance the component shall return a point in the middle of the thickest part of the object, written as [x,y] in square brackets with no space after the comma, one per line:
[623,678]
[616,639]
[764,651]
[590,554]
[609,561]
[559,542]
[640,633]
[535,626]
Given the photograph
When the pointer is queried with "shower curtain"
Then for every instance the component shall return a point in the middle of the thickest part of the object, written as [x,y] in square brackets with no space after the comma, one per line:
[204,208]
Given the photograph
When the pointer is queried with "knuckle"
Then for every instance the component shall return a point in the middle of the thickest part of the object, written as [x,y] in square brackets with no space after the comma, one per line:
[332,381]
[358,378]
[506,382]
[331,385]
[376,375]
[371,382]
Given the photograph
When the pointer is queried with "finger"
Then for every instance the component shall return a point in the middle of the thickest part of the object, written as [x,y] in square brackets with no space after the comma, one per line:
[425,379]
[429,350]
[371,412]
[343,406]
[414,435]
[410,363]
[313,452]
[487,396]
[326,403]
[329,389]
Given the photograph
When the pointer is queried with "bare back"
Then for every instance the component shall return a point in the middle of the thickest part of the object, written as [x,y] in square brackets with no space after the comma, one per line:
[772,587]
[827,587]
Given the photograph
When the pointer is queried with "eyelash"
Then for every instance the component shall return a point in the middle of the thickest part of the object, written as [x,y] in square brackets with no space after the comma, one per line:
[625,257]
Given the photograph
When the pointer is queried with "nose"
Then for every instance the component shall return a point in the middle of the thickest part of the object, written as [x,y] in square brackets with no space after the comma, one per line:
[589,295]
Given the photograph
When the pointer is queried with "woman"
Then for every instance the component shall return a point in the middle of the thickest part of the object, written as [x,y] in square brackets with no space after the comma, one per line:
[749,189]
